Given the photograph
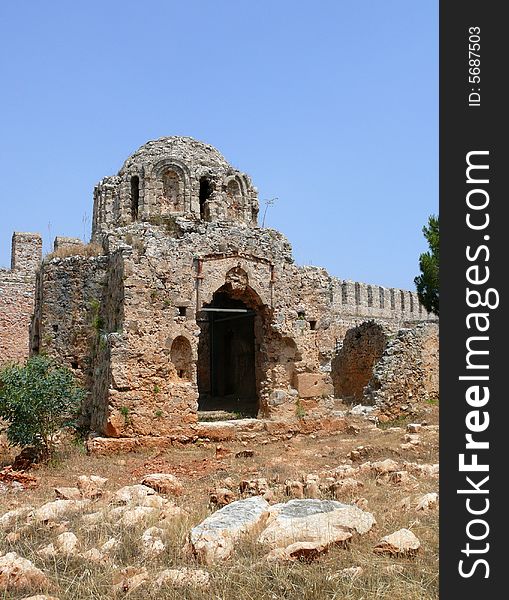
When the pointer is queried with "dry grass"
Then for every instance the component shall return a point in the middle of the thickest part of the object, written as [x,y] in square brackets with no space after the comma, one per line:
[66,251]
[246,575]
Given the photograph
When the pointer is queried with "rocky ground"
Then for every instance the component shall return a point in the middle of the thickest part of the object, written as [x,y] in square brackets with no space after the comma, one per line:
[345,516]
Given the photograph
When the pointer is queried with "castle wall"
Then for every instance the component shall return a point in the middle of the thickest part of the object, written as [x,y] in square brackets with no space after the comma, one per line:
[17,291]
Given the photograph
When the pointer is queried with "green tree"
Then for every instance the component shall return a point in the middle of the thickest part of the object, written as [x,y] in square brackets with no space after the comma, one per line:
[428,281]
[38,399]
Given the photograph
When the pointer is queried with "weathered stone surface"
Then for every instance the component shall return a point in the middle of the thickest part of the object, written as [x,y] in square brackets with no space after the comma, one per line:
[58,509]
[152,542]
[213,539]
[40,597]
[164,483]
[175,232]
[128,579]
[9,519]
[322,522]
[132,494]
[304,551]
[401,542]
[427,501]
[222,496]
[18,573]
[67,493]
[183,577]
[91,486]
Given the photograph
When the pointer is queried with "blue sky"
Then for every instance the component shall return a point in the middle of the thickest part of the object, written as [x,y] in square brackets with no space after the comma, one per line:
[331,106]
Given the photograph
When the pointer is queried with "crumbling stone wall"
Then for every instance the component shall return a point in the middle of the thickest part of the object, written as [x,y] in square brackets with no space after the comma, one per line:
[407,374]
[178,229]
[17,291]
[353,364]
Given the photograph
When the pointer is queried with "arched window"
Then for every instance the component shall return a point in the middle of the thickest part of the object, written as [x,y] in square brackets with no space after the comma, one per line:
[181,357]
[172,192]
[135,197]
[206,190]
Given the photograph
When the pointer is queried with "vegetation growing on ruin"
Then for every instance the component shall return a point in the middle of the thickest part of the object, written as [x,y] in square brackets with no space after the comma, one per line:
[37,400]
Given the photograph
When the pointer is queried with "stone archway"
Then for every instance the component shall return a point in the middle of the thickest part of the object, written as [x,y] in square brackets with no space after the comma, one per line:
[231,367]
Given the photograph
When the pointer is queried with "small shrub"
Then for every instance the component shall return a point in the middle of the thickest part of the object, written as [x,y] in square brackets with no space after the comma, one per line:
[87,250]
[300,411]
[37,400]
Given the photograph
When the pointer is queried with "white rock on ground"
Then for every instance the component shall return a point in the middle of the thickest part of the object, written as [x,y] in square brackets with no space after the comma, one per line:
[18,573]
[53,511]
[67,493]
[128,579]
[91,486]
[40,597]
[400,543]
[12,517]
[164,483]
[322,522]
[132,494]
[427,501]
[152,542]
[213,539]
[183,577]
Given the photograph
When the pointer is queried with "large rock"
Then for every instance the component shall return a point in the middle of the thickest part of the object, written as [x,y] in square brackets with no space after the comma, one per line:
[18,573]
[322,522]
[400,543]
[58,509]
[9,519]
[164,483]
[213,539]
[91,486]
[133,494]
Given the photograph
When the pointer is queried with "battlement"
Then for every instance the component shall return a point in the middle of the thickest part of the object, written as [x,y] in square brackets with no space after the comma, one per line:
[17,291]
[366,300]
[26,253]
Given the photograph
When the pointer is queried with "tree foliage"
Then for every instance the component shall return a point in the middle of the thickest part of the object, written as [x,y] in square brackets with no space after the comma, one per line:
[38,399]
[428,281]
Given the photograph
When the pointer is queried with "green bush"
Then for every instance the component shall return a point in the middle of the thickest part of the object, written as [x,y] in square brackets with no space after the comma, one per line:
[37,400]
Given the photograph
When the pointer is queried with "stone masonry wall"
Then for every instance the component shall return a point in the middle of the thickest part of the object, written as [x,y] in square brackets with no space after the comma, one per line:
[17,291]
[407,374]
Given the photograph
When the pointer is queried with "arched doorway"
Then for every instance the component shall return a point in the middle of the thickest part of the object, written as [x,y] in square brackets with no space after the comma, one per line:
[229,364]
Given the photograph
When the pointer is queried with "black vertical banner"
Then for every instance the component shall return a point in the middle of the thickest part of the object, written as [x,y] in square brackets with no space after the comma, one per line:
[474,348]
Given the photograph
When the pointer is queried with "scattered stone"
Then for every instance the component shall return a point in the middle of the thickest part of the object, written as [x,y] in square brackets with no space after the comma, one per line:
[221,497]
[398,477]
[427,501]
[152,543]
[311,489]
[91,486]
[385,466]
[303,551]
[132,516]
[323,522]
[128,579]
[132,494]
[294,489]
[18,573]
[337,488]
[95,556]
[245,454]
[164,483]
[93,518]
[254,487]
[213,539]
[350,573]
[110,545]
[67,542]
[394,569]
[40,597]
[400,543]
[13,537]
[183,577]
[413,427]
[56,510]
[67,493]
[10,519]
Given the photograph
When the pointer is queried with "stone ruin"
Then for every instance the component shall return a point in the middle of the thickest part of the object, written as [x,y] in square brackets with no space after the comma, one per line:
[182,307]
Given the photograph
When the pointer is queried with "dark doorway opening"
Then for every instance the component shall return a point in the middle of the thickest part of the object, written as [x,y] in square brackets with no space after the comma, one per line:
[135,197]
[227,358]
[205,193]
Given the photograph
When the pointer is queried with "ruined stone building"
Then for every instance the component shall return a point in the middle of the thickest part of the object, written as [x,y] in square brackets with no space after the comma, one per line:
[182,305]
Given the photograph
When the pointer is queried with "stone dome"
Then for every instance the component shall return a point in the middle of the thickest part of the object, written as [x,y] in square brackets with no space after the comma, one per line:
[181,148]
